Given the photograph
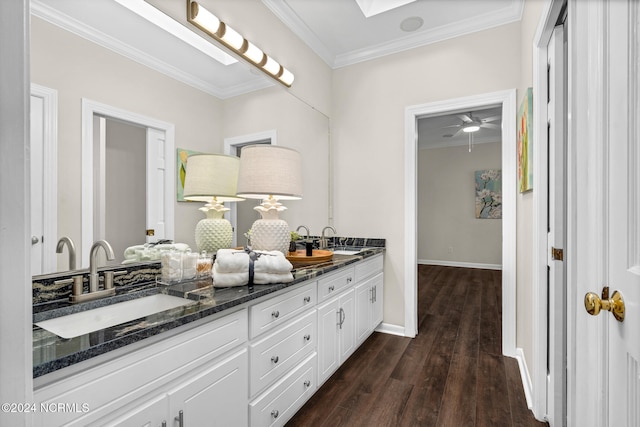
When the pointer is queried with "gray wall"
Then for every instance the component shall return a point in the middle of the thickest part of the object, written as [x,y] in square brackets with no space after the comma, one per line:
[448,230]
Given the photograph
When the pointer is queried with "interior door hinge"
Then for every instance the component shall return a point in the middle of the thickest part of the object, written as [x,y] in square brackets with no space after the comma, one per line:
[557,254]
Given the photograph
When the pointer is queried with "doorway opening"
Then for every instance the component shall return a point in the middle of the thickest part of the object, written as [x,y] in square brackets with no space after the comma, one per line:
[241,214]
[158,182]
[507,100]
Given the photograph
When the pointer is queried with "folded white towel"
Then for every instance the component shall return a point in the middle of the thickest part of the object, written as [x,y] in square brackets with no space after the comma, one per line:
[226,280]
[266,278]
[237,261]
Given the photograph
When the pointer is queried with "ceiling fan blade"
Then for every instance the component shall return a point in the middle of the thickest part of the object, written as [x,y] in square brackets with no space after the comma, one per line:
[465,118]
[491,119]
[457,133]
[452,126]
[489,126]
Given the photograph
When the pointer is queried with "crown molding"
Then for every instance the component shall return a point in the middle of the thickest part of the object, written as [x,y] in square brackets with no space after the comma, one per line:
[486,21]
[87,32]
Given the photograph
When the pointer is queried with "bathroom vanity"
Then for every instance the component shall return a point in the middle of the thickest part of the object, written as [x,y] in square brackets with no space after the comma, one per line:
[238,356]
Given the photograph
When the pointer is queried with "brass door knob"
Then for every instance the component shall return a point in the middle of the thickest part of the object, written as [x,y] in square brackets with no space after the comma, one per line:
[593,304]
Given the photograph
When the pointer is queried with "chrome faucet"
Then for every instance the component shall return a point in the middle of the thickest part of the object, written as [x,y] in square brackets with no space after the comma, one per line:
[305,227]
[70,247]
[323,240]
[94,278]
[77,293]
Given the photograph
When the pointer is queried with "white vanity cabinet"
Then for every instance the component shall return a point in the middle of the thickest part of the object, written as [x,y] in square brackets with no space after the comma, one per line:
[336,333]
[282,355]
[213,395]
[255,365]
[353,309]
[369,290]
[202,371]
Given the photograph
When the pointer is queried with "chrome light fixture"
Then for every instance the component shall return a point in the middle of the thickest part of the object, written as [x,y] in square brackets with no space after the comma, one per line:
[220,31]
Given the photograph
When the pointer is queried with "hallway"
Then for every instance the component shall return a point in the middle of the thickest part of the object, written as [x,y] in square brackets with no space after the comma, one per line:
[451,374]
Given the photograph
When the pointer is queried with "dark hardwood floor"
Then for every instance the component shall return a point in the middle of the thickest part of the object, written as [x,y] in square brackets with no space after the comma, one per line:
[452,374]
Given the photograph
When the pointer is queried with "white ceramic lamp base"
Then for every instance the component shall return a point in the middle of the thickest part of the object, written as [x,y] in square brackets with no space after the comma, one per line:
[270,235]
[213,234]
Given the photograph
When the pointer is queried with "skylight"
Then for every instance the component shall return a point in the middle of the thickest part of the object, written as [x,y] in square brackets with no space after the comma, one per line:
[373,7]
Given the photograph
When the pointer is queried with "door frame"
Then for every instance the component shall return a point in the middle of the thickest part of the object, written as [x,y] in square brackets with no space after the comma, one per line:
[91,108]
[50,173]
[541,332]
[507,99]
[230,146]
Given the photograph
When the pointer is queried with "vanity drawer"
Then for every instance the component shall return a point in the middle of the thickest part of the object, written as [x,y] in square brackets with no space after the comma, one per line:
[334,283]
[278,404]
[274,355]
[369,267]
[275,311]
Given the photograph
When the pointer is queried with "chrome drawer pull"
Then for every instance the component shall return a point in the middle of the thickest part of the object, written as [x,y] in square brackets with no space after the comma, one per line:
[307,299]
[332,288]
[274,359]
[180,419]
[275,314]
[275,413]
[349,279]
[307,337]
[307,383]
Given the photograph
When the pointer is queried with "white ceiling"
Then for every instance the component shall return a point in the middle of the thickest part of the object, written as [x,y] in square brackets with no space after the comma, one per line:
[337,30]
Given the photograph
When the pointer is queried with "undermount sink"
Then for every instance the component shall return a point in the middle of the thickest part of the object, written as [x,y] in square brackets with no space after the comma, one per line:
[84,322]
[346,252]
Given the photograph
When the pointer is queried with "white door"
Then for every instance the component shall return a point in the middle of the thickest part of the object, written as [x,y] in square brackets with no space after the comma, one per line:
[604,378]
[624,213]
[156,171]
[556,132]
[37,205]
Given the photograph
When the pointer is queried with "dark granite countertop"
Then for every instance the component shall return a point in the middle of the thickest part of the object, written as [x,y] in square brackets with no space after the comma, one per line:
[51,352]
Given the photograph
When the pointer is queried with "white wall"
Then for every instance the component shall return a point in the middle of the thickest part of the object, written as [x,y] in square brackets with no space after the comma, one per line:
[448,229]
[524,202]
[368,131]
[126,151]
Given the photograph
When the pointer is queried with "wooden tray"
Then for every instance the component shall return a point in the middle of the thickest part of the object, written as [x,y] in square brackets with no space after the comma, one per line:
[300,257]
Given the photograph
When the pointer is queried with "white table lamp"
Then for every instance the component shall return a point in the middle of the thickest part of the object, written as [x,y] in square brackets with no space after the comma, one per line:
[212,178]
[271,173]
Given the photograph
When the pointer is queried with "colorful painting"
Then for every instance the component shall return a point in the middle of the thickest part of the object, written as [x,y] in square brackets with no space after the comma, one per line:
[525,138]
[489,194]
[182,156]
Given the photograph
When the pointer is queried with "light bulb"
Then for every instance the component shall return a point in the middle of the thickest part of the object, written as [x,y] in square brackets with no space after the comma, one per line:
[204,18]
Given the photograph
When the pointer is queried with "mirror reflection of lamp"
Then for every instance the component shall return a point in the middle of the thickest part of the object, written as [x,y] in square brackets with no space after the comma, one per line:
[271,173]
[212,178]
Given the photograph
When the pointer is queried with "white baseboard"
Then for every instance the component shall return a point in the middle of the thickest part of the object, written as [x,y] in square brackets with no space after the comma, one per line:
[387,328]
[526,378]
[460,264]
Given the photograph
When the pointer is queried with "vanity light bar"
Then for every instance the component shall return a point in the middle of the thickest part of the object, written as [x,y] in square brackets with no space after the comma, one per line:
[210,24]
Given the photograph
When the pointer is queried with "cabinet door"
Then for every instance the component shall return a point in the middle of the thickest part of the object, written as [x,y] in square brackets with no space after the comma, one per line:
[377,289]
[149,414]
[328,339]
[215,395]
[347,328]
[364,301]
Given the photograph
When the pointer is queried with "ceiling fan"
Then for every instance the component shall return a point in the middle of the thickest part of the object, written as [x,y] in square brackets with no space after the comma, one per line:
[471,124]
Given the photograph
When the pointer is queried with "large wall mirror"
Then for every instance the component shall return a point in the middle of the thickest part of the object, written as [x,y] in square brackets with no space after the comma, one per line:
[135,94]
